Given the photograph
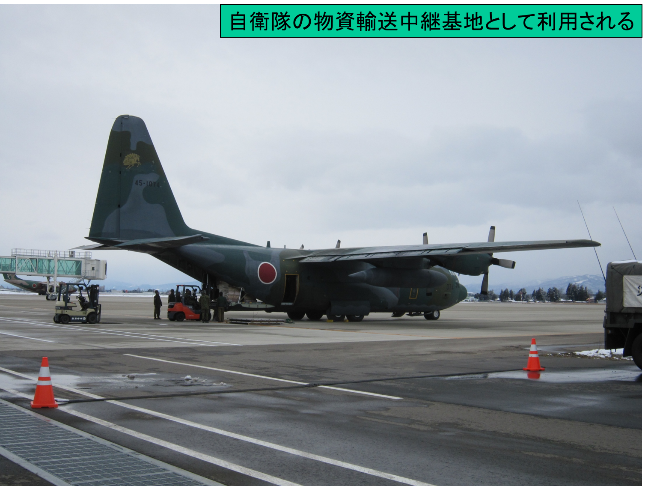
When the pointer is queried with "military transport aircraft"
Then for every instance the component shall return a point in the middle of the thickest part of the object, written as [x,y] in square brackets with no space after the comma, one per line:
[31,285]
[136,210]
[36,286]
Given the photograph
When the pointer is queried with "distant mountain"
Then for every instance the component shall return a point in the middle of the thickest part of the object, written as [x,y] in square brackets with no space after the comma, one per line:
[592,282]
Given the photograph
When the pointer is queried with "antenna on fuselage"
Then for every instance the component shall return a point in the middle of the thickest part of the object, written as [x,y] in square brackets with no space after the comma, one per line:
[268,244]
[301,247]
[425,238]
[337,245]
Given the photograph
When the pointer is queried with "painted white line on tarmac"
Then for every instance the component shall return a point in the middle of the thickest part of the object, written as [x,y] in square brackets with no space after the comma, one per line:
[114,332]
[25,337]
[347,390]
[169,445]
[244,438]
[218,369]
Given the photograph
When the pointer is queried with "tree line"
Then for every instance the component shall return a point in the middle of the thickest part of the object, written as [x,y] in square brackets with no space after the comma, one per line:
[574,293]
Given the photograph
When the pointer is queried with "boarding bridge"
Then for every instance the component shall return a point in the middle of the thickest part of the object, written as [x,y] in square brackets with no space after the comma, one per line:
[54,264]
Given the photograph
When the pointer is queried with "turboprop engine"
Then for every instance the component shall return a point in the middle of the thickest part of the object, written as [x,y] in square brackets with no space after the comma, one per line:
[399,277]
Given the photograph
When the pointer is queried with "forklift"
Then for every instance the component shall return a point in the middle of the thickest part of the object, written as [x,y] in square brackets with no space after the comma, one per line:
[185,306]
[87,309]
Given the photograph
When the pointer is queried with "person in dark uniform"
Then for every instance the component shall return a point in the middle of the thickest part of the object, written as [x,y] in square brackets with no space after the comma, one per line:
[172,297]
[157,305]
[204,306]
[221,304]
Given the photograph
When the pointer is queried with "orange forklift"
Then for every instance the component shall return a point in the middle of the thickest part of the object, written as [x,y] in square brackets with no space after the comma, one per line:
[186,305]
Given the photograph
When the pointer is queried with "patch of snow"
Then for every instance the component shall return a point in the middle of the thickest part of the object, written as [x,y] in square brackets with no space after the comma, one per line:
[603,353]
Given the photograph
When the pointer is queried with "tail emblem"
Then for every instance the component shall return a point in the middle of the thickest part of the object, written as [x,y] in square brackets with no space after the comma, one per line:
[132,160]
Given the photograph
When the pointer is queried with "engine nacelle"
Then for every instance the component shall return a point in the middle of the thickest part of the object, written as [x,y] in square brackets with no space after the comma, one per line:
[475,264]
[399,277]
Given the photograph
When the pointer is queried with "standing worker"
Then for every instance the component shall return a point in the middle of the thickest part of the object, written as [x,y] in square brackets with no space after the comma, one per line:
[157,305]
[172,297]
[204,306]
[221,304]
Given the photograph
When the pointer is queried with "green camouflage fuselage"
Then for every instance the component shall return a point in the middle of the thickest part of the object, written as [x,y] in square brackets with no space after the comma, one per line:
[316,287]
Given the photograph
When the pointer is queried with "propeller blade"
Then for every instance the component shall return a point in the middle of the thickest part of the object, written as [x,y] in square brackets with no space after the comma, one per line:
[484,287]
[503,263]
[425,238]
[491,234]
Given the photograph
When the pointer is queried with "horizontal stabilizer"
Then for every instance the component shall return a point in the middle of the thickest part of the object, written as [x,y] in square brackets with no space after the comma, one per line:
[148,245]
[96,246]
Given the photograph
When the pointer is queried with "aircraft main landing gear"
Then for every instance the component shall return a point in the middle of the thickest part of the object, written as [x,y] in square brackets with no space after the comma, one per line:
[432,316]
[314,315]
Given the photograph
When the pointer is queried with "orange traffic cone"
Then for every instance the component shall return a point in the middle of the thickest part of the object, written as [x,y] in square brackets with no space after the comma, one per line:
[534,361]
[44,397]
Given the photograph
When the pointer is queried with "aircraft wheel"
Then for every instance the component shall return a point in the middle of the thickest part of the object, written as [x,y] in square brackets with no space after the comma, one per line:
[636,350]
[351,318]
[64,319]
[296,315]
[314,315]
[432,316]
[92,318]
[398,314]
[335,318]
[180,316]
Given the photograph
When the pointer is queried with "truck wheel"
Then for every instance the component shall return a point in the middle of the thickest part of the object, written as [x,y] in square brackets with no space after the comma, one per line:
[180,316]
[432,316]
[92,318]
[636,350]
[64,319]
[170,316]
[56,318]
[295,315]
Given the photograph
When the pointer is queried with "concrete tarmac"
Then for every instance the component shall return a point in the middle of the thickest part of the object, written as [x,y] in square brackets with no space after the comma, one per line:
[382,401]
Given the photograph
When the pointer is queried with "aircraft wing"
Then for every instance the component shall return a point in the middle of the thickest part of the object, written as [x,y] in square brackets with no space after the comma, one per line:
[448,250]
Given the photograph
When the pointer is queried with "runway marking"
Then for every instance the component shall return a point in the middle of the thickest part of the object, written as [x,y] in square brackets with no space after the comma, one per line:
[244,438]
[25,337]
[116,332]
[358,392]
[174,447]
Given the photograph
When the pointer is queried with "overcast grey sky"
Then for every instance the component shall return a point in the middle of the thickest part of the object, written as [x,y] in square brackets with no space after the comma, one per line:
[307,141]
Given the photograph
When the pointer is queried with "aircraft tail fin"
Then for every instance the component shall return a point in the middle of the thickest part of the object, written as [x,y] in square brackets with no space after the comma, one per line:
[134,200]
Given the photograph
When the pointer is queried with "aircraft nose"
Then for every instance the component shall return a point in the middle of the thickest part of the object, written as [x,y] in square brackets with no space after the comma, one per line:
[463,293]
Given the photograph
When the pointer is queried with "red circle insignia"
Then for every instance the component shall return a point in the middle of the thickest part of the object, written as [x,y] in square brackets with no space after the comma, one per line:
[267,273]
